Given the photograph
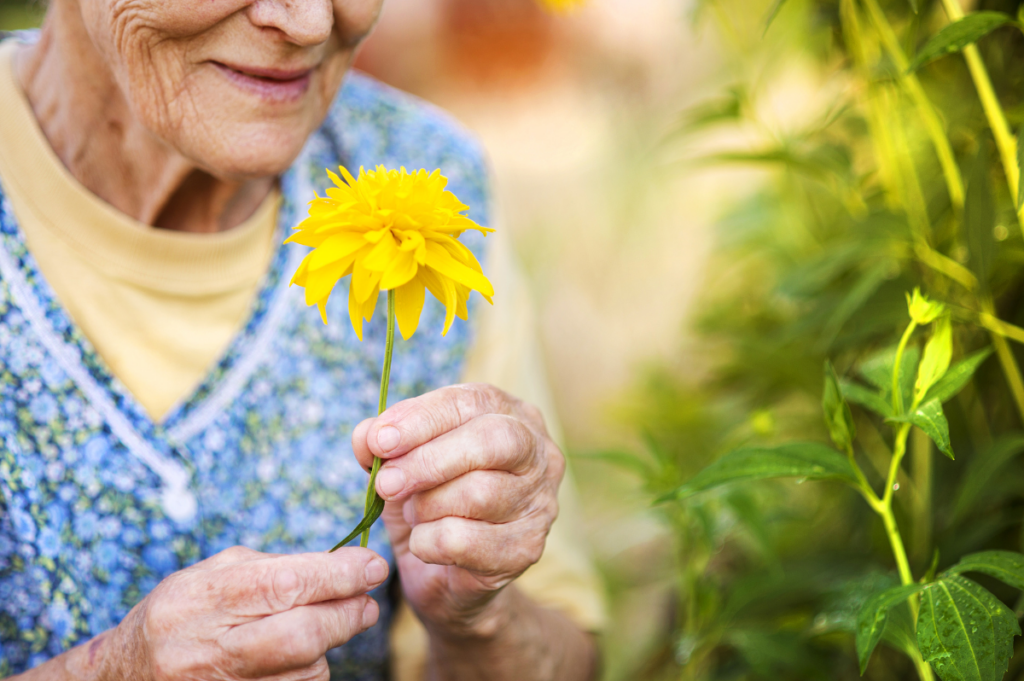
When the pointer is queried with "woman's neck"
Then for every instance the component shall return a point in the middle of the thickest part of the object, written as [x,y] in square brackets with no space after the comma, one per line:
[90,126]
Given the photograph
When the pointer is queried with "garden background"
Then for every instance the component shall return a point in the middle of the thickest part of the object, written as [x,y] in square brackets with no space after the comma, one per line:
[701,197]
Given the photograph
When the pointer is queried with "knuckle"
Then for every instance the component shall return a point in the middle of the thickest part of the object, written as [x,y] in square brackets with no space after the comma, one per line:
[532,413]
[556,462]
[236,554]
[304,641]
[279,588]
[453,542]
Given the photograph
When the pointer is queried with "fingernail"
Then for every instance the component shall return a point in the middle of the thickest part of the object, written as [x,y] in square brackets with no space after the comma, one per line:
[370,614]
[390,481]
[376,571]
[388,438]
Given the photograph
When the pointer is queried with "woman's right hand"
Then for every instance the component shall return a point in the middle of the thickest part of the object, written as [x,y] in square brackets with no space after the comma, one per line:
[240,614]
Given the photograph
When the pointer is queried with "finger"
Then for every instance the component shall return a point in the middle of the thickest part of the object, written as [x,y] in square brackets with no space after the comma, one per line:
[359,447]
[484,548]
[272,585]
[490,442]
[411,423]
[234,554]
[494,496]
[298,638]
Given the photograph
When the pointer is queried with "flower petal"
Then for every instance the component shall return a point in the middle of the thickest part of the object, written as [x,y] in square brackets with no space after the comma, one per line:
[355,311]
[335,248]
[440,260]
[401,270]
[409,301]
[364,280]
[383,253]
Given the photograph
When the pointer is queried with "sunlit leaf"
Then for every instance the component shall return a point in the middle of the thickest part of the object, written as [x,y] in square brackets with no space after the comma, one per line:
[935,361]
[958,35]
[873,616]
[964,631]
[1006,566]
[720,110]
[772,13]
[930,418]
[808,460]
[838,418]
[957,377]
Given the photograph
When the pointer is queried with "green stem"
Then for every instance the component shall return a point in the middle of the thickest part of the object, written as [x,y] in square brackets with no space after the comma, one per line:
[385,379]
[1005,140]
[929,117]
[884,506]
[897,392]
[998,331]
[892,531]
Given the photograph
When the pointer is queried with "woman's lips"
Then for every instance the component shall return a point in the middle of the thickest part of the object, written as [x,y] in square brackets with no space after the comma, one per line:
[272,85]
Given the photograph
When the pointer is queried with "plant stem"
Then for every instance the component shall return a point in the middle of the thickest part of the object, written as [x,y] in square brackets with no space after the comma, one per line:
[1006,359]
[892,531]
[884,506]
[897,392]
[929,117]
[385,380]
[1005,140]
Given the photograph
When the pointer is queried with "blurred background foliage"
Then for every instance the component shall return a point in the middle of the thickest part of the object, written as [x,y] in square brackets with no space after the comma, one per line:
[709,207]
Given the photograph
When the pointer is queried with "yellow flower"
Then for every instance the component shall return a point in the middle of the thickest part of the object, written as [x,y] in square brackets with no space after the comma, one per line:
[389,229]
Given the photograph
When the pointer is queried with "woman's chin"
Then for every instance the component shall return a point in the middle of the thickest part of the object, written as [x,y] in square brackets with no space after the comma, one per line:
[260,151]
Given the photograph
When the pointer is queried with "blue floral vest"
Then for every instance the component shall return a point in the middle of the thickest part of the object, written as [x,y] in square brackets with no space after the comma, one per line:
[98,503]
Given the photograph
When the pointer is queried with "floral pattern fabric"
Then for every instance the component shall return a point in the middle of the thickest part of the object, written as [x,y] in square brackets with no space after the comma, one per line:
[98,503]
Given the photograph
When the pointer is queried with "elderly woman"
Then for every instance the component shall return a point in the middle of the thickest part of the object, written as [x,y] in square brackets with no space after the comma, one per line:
[180,439]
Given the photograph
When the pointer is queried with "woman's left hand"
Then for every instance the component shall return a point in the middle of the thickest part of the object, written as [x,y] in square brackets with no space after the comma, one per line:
[471,478]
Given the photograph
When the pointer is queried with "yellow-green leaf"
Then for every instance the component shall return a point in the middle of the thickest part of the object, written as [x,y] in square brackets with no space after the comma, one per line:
[935,361]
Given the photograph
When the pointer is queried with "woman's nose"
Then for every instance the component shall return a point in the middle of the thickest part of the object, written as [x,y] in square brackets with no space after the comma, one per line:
[303,22]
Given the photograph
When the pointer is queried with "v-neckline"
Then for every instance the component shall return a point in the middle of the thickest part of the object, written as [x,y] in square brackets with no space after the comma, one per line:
[227,374]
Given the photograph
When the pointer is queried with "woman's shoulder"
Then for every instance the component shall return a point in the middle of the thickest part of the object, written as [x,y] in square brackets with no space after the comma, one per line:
[378,124]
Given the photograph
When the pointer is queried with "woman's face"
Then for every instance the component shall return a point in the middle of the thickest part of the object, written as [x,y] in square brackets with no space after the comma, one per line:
[236,86]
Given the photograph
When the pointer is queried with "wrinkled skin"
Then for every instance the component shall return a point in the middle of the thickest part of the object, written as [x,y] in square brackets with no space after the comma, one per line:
[181,113]
[471,482]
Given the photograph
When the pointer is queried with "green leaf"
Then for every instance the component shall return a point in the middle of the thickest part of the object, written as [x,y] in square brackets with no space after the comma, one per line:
[772,13]
[1020,156]
[857,295]
[929,418]
[376,508]
[982,470]
[727,108]
[1006,566]
[872,618]
[957,377]
[809,460]
[979,216]
[964,631]
[865,397]
[935,361]
[838,418]
[877,370]
[958,35]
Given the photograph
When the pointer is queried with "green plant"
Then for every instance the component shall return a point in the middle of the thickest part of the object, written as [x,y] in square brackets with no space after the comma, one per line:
[895,189]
